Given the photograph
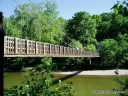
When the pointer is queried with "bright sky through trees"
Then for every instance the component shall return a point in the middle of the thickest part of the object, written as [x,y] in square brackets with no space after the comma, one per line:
[66,7]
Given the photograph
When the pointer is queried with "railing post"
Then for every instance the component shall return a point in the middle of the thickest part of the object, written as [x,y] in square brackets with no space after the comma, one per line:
[54,49]
[5,45]
[64,51]
[15,46]
[27,47]
[1,51]
[44,48]
[36,47]
[50,50]
[60,49]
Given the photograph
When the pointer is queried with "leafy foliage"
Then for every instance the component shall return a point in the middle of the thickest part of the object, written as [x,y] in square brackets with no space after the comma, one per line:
[76,44]
[111,26]
[122,53]
[90,47]
[124,87]
[121,8]
[38,82]
[82,27]
[108,53]
[37,22]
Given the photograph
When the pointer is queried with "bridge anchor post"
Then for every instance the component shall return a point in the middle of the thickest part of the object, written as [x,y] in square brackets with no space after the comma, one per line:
[1,50]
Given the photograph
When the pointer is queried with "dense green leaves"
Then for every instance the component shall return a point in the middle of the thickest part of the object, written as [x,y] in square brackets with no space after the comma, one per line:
[109,47]
[37,22]
[121,8]
[114,53]
[111,26]
[76,44]
[122,54]
[38,82]
[82,27]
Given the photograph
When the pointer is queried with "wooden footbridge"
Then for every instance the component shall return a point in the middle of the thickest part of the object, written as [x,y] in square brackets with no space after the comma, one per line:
[17,47]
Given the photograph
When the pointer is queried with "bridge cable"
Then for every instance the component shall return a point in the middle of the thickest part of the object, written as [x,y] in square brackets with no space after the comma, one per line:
[27,29]
[6,32]
[51,33]
[26,11]
[39,21]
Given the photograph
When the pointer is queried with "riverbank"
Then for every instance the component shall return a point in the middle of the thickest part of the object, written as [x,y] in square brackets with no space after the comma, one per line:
[96,72]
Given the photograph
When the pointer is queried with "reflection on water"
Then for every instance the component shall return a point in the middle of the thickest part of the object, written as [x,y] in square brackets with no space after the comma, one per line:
[84,85]
[13,78]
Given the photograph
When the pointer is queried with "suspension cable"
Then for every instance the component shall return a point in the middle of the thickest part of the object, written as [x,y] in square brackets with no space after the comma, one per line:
[38,20]
[26,11]
[6,33]
[27,28]
[1,6]
[21,22]
[51,32]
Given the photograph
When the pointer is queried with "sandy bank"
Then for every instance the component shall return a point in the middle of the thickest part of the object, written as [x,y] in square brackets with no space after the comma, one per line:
[96,72]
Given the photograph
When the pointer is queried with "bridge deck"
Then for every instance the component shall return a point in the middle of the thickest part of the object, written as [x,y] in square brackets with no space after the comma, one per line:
[17,47]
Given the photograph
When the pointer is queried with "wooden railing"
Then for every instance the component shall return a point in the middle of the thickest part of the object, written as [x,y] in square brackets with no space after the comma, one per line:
[17,47]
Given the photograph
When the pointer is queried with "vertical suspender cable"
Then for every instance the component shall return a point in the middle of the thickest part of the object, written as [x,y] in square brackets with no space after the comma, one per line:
[39,31]
[21,32]
[21,22]
[1,6]
[7,22]
[39,26]
[27,28]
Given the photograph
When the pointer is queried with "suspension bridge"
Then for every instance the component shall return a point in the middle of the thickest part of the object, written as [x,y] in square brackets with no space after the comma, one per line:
[17,47]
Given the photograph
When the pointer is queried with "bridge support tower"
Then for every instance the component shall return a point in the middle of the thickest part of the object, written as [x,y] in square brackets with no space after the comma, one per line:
[1,51]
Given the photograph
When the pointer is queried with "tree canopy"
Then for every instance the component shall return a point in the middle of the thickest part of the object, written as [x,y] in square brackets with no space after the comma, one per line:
[82,28]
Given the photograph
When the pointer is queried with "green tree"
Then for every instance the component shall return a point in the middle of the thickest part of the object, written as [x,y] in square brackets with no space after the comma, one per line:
[37,83]
[10,28]
[38,21]
[122,53]
[13,64]
[111,25]
[82,28]
[114,54]
[121,8]
[109,48]
[104,26]
[76,44]
[98,19]
[118,25]
[90,47]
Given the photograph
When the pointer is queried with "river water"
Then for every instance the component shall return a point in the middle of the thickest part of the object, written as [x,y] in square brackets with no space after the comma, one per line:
[83,85]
